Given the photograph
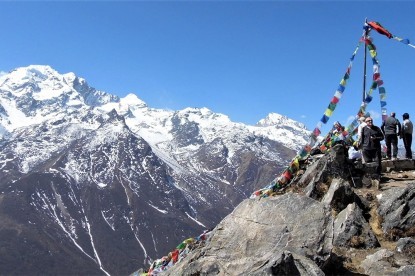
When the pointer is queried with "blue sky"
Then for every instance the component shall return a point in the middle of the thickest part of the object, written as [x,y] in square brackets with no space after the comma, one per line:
[243,59]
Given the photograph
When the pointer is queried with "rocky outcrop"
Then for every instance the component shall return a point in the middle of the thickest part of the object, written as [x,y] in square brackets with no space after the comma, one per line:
[397,208]
[352,230]
[385,262]
[321,225]
[261,236]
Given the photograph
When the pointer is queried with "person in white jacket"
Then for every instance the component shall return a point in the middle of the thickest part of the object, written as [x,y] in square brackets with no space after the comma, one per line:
[359,134]
[360,127]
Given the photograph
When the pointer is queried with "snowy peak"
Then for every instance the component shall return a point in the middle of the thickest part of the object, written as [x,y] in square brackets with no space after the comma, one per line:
[37,93]
[203,116]
[32,73]
[91,96]
[33,94]
[130,106]
[283,129]
[274,119]
[41,83]
[133,100]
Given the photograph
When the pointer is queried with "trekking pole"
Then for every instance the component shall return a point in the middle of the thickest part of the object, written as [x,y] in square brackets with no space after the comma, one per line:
[351,176]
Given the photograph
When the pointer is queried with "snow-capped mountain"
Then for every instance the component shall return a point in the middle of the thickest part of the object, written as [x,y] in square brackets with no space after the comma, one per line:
[93,183]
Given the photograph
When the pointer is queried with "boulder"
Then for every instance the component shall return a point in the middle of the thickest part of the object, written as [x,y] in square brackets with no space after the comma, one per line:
[341,194]
[377,264]
[352,230]
[318,176]
[281,233]
[405,244]
[383,262]
[396,207]
[315,174]
[398,165]
[287,263]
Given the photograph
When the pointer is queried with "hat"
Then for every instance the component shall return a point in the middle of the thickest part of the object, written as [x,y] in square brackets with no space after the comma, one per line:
[362,119]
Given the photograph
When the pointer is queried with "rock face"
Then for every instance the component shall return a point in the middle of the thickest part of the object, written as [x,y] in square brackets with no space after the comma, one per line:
[351,229]
[397,207]
[264,236]
[327,227]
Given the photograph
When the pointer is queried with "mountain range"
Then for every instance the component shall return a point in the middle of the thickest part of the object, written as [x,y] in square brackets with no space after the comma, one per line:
[96,184]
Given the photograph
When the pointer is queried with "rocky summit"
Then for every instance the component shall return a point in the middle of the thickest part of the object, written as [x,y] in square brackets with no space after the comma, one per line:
[329,221]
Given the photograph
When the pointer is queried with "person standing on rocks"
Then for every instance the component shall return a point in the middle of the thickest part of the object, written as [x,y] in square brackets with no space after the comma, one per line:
[407,128]
[391,127]
[370,141]
[362,124]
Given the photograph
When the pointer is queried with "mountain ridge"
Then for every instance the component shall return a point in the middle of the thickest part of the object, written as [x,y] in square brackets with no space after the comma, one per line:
[92,171]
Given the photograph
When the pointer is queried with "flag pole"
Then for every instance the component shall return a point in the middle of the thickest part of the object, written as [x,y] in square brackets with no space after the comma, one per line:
[364,63]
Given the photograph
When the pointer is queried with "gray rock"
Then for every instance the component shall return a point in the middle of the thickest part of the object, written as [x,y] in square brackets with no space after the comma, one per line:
[398,165]
[333,164]
[341,194]
[397,208]
[316,173]
[404,244]
[287,263]
[256,236]
[408,270]
[377,264]
[352,230]
[383,262]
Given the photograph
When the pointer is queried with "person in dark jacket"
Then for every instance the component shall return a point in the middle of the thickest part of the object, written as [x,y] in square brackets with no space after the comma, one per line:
[370,141]
[407,129]
[391,127]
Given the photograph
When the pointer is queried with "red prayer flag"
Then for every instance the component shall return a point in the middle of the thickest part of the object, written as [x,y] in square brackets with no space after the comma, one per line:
[380,29]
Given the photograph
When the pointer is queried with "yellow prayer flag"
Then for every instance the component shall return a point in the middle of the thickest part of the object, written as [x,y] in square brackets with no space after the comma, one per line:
[328,112]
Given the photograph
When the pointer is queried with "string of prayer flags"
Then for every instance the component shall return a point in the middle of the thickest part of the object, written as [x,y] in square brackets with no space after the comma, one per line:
[380,29]
[287,175]
[180,252]
[376,84]
[337,94]
[404,41]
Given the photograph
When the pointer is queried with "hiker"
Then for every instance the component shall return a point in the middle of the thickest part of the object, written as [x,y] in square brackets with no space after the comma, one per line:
[391,128]
[353,152]
[359,134]
[337,134]
[362,124]
[370,141]
[337,127]
[406,134]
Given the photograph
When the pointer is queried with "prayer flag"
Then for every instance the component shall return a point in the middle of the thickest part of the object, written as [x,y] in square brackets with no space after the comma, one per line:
[379,28]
